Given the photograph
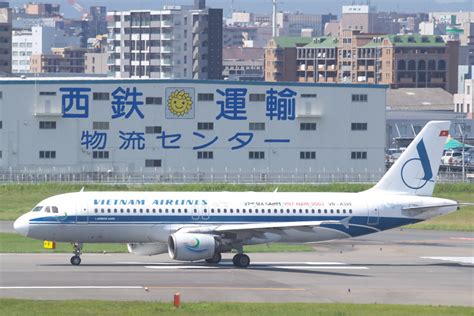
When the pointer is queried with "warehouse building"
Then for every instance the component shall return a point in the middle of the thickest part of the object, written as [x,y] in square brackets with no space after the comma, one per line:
[201,129]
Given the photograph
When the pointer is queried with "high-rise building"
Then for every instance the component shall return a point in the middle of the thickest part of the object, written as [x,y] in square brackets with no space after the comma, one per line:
[358,17]
[38,40]
[5,38]
[176,42]
[62,60]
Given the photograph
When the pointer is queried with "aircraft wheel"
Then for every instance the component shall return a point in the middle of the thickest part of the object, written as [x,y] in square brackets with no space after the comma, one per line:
[75,260]
[241,260]
[215,259]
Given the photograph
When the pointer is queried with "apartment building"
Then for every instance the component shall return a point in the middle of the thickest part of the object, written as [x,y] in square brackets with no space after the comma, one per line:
[280,58]
[5,38]
[62,60]
[176,42]
[35,41]
[401,61]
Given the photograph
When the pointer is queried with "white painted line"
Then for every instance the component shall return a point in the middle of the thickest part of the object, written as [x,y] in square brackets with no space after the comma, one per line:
[230,263]
[70,287]
[468,260]
[261,267]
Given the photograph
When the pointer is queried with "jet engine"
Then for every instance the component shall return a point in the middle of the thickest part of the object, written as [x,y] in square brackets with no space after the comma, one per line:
[147,249]
[191,247]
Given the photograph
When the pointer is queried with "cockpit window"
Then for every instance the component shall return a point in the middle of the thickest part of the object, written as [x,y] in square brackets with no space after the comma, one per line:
[54,209]
[47,209]
[37,209]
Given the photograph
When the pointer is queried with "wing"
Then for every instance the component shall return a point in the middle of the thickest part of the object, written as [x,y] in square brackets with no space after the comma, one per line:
[263,227]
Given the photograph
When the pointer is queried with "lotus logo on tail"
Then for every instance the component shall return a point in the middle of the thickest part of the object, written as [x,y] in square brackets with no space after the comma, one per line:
[194,245]
[408,169]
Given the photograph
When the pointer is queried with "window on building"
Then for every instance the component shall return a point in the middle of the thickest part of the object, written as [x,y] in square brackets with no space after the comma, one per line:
[153,129]
[257,126]
[205,96]
[256,155]
[205,155]
[307,155]
[359,98]
[47,154]
[46,93]
[205,126]
[1,154]
[307,126]
[309,95]
[100,125]
[1,124]
[101,96]
[1,95]
[150,163]
[359,126]
[359,155]
[100,154]
[257,97]
[153,100]
[47,125]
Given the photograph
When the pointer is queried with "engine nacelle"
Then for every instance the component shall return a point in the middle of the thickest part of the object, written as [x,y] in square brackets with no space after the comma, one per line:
[191,247]
[147,249]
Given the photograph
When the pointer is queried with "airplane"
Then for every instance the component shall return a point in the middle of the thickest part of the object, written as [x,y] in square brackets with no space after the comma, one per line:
[195,226]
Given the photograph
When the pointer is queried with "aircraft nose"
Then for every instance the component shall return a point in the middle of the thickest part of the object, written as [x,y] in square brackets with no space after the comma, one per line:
[21,225]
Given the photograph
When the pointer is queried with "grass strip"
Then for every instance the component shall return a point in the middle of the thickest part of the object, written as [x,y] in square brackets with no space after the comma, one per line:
[52,308]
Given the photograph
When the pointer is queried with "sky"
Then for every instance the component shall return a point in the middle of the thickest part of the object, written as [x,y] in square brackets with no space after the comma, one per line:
[265,6]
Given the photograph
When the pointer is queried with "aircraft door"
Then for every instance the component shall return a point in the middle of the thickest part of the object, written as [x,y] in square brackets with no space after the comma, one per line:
[82,216]
[373,214]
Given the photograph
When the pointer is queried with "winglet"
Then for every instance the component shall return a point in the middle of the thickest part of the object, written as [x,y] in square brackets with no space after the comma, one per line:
[82,190]
[345,222]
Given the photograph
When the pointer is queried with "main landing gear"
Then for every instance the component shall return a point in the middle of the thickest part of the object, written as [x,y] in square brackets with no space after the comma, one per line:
[76,259]
[215,259]
[241,260]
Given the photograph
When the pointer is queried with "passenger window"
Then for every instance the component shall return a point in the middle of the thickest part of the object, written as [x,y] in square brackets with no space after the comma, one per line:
[55,209]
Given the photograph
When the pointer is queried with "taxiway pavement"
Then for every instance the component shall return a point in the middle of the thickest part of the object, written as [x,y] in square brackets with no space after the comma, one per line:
[396,267]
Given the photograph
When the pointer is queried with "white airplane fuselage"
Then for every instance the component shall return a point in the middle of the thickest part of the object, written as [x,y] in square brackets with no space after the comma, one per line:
[201,225]
[146,217]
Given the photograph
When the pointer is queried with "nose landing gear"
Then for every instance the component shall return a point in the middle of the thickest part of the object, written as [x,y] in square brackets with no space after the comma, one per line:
[76,259]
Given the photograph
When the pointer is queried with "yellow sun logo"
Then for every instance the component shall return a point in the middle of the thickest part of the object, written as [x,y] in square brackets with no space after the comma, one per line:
[180,103]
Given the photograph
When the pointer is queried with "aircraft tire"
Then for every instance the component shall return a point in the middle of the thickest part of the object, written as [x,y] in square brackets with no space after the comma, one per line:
[75,260]
[241,260]
[215,259]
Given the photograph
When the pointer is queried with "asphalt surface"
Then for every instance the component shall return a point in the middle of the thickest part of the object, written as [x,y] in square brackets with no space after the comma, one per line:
[398,266]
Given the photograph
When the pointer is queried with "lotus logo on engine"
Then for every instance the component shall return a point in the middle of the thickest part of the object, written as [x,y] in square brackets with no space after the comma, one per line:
[194,245]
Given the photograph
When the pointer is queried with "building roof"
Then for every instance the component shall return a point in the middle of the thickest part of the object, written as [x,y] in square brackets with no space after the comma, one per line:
[291,41]
[415,40]
[241,53]
[323,42]
[419,99]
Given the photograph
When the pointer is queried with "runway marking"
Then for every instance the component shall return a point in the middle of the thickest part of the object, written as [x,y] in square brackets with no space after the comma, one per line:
[462,238]
[105,287]
[80,287]
[469,260]
[230,263]
[261,265]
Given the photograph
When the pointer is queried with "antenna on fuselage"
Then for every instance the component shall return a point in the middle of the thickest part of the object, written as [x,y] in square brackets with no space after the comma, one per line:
[276,190]
[82,189]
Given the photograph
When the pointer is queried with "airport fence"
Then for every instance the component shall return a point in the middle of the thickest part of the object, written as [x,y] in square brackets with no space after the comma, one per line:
[182,176]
